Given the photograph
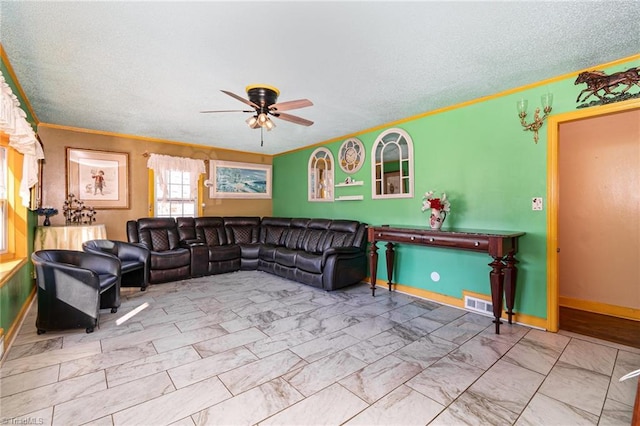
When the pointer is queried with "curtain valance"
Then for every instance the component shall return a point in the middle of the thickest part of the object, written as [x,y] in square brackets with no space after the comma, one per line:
[22,138]
[160,164]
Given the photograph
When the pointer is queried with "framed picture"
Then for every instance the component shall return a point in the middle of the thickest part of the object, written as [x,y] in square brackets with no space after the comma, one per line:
[392,183]
[239,180]
[99,178]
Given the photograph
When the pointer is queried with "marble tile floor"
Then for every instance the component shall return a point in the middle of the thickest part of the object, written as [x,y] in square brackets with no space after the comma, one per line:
[249,348]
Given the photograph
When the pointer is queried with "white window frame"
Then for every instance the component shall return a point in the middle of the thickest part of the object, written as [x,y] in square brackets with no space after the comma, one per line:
[320,172]
[178,192]
[4,199]
[392,140]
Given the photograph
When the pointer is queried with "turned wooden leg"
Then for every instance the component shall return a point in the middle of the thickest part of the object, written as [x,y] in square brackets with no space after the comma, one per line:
[373,266]
[390,258]
[497,285]
[510,273]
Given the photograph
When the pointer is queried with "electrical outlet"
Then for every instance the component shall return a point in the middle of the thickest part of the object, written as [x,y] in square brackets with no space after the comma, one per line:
[536,203]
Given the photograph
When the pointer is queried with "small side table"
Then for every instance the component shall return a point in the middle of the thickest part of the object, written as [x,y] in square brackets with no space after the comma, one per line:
[68,237]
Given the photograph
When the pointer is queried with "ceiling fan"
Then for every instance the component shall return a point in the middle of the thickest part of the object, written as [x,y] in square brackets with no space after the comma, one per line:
[263,100]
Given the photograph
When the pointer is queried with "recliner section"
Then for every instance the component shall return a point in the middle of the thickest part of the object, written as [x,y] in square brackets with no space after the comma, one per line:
[324,253]
[170,259]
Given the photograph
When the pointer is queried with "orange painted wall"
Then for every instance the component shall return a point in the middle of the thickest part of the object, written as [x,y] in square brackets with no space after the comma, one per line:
[599,214]
[55,140]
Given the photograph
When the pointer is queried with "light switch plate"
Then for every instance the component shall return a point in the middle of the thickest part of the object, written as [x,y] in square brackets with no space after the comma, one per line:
[536,203]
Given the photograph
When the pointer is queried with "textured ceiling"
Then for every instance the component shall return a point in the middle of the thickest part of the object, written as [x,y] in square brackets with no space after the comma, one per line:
[148,68]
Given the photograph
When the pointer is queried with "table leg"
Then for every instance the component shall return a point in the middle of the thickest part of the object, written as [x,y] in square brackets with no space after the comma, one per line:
[390,259]
[510,277]
[497,287]
[373,266]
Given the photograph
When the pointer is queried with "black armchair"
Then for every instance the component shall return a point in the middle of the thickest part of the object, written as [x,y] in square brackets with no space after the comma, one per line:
[72,288]
[134,260]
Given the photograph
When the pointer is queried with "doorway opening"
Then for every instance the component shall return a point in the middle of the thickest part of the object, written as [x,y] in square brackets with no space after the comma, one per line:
[573,315]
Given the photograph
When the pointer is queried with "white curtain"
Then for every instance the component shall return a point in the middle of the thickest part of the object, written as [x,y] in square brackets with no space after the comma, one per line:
[13,121]
[163,163]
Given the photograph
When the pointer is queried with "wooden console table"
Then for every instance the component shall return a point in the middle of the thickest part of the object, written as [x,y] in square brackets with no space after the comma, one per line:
[501,246]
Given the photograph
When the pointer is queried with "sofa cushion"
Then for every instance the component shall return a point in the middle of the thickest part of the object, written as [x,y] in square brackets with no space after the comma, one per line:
[315,236]
[309,262]
[220,253]
[273,230]
[170,259]
[212,236]
[186,228]
[158,233]
[295,235]
[267,252]
[210,230]
[274,235]
[249,251]
[342,233]
[242,230]
[157,239]
[285,256]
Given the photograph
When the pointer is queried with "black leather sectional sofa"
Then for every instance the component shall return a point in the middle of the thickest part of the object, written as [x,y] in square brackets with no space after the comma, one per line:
[324,253]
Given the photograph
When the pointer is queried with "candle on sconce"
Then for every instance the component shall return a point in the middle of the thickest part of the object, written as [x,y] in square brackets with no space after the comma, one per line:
[522,106]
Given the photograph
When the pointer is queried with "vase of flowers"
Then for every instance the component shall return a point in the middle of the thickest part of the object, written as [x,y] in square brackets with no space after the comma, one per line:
[47,212]
[438,208]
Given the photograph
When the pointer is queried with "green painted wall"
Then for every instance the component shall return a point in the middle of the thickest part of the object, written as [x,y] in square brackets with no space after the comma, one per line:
[15,292]
[488,166]
[13,296]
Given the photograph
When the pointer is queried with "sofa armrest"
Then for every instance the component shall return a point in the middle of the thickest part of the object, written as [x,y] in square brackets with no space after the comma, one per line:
[191,243]
[344,252]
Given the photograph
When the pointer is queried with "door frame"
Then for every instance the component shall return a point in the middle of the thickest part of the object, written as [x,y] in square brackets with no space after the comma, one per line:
[553,196]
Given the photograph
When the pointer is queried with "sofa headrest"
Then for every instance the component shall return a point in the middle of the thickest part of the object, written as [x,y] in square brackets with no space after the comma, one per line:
[184,222]
[319,224]
[344,225]
[242,221]
[299,222]
[276,221]
[209,222]
[156,222]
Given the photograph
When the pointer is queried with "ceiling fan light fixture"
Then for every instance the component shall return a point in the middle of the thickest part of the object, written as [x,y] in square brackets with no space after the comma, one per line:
[262,118]
[252,122]
[269,124]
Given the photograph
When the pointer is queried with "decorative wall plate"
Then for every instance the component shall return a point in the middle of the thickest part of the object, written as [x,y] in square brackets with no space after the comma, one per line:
[351,155]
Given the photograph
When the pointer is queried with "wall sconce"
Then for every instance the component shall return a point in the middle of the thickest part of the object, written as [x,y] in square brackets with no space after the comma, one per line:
[534,126]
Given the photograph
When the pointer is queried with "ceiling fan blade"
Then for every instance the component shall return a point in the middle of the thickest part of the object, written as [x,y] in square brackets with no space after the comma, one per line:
[285,106]
[228,110]
[240,98]
[292,118]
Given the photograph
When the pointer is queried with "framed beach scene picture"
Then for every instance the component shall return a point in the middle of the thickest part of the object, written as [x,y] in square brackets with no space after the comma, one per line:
[239,180]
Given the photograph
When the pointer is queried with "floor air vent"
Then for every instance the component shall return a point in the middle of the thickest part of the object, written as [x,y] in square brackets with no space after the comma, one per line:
[478,305]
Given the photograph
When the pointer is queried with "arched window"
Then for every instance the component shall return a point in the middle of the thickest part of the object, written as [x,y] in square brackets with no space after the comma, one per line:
[392,165]
[321,166]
